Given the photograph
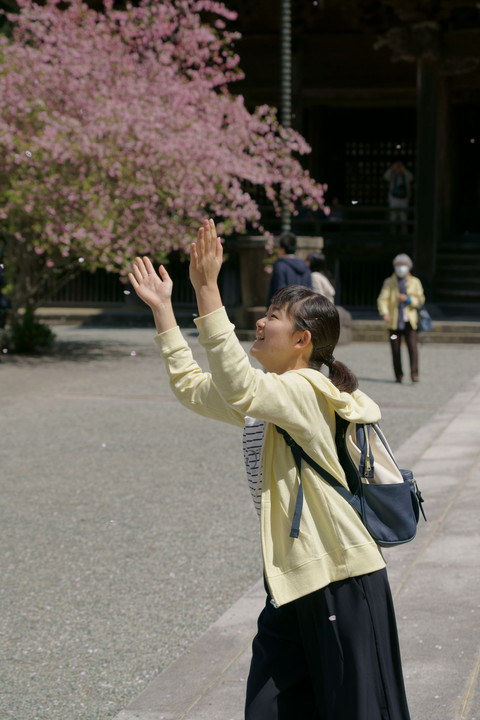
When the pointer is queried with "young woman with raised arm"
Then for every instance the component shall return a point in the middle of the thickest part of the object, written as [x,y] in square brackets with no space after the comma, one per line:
[327,645]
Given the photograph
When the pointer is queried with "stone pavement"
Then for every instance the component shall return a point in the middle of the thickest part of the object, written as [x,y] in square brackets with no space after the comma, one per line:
[128,535]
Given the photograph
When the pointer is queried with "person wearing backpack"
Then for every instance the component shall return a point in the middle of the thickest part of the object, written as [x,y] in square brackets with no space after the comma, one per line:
[398,304]
[327,645]
[399,190]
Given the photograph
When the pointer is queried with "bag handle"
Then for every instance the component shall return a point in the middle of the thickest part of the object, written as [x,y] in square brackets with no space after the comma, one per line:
[382,438]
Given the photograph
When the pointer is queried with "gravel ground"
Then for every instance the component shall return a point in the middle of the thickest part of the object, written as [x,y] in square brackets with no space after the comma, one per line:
[127,526]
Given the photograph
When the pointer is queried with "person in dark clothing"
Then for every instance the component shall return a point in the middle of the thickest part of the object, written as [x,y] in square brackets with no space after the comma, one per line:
[288,270]
[5,304]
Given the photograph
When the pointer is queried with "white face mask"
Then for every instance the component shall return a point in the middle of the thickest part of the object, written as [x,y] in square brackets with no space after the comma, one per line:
[401,270]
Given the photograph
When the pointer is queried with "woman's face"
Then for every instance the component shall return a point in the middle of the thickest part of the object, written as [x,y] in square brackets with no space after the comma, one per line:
[276,344]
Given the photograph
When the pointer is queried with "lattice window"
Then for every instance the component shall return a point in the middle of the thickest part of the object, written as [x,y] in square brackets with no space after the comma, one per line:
[365,165]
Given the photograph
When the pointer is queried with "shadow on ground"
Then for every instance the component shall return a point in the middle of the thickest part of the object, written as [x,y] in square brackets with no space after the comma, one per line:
[73,351]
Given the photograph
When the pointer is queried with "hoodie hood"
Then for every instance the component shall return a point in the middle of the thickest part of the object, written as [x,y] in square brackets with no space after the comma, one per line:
[353,407]
[295,264]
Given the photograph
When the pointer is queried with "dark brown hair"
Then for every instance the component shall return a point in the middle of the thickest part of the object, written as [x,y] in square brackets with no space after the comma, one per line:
[313,312]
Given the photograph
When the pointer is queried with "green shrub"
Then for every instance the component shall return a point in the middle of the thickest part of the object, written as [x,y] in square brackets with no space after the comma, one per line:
[27,335]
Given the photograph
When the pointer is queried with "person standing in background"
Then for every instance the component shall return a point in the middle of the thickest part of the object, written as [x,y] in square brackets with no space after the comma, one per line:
[323,284]
[288,270]
[398,303]
[399,190]
[5,304]
[322,280]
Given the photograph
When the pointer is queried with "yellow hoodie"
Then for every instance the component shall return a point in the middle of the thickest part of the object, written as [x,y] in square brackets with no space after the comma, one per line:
[333,543]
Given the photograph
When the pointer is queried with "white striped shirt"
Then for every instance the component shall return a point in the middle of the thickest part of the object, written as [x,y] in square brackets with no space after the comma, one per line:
[253,439]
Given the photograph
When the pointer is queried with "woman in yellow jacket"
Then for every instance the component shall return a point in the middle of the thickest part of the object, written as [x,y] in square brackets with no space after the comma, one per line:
[398,303]
[327,645]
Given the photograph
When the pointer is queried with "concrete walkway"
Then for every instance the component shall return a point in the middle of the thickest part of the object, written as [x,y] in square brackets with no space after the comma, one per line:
[436,586]
[128,534]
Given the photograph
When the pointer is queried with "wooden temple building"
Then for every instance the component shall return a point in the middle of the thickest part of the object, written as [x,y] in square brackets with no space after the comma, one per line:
[371,81]
[374,81]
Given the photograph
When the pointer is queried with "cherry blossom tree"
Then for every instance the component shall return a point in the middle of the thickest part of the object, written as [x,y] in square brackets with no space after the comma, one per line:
[118,134]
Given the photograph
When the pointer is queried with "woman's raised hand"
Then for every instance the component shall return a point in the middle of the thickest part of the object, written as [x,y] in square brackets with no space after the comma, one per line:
[206,257]
[155,290]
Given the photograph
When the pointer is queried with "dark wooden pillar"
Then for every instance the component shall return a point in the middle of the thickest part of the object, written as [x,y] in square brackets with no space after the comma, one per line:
[426,214]
[286,86]
[434,170]
[445,177]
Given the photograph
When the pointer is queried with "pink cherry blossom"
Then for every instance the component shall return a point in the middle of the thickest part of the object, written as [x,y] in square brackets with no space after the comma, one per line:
[119,134]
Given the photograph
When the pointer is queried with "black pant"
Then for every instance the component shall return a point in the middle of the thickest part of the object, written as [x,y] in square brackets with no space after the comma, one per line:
[411,339]
[331,655]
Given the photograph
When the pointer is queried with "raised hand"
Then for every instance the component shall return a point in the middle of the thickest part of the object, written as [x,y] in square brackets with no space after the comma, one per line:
[153,289]
[206,256]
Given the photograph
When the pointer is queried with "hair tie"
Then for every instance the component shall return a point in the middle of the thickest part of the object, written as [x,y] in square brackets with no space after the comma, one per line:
[330,362]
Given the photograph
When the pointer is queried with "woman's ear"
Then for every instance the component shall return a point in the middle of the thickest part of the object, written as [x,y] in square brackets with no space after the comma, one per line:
[304,340]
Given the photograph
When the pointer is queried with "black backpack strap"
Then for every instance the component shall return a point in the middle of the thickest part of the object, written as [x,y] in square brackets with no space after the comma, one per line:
[298,455]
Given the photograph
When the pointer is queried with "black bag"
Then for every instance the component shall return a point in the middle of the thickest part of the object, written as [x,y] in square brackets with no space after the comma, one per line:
[387,499]
[399,188]
[399,191]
